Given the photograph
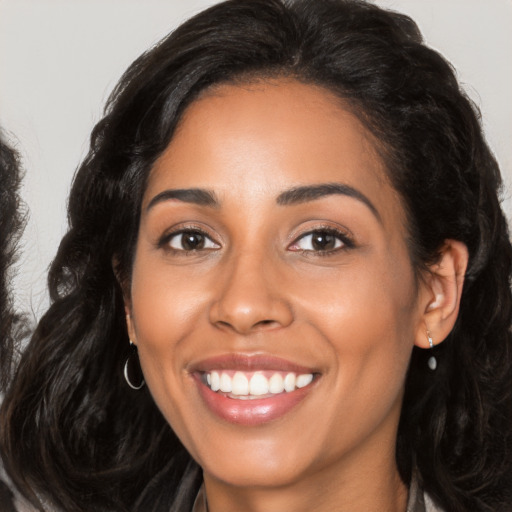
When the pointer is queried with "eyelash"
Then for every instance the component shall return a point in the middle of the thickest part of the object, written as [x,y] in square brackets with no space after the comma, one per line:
[341,236]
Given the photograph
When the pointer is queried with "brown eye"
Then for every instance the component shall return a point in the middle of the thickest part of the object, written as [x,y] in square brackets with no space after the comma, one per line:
[321,241]
[191,241]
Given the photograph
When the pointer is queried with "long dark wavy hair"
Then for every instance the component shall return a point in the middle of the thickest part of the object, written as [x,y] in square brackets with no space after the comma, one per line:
[12,217]
[72,430]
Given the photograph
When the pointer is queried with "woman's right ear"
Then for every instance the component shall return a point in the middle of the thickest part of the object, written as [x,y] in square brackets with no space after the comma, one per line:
[130,327]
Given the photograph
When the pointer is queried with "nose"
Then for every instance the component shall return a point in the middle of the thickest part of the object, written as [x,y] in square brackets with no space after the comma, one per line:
[251,297]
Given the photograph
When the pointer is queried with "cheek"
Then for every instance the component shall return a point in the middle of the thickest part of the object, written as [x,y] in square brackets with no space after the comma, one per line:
[369,302]
[165,302]
[367,319]
[166,309]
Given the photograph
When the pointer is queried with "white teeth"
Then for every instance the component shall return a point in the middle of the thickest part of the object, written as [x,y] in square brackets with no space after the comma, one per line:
[276,383]
[215,384]
[303,380]
[240,384]
[289,382]
[258,385]
[225,383]
[255,384]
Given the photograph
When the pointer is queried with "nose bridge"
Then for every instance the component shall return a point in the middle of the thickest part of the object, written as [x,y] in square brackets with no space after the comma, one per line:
[250,297]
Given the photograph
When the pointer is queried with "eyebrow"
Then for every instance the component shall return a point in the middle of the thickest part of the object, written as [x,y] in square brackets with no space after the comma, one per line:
[295,195]
[304,194]
[199,196]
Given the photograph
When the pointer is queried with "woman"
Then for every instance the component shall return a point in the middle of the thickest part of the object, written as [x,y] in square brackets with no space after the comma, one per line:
[289,216]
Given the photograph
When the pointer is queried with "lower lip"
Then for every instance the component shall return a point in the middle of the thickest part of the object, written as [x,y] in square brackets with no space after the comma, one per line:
[251,412]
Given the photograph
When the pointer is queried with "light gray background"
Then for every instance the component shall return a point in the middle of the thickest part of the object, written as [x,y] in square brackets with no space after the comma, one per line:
[59,59]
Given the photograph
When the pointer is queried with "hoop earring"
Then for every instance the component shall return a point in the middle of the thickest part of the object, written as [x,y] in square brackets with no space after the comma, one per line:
[132,369]
[432,361]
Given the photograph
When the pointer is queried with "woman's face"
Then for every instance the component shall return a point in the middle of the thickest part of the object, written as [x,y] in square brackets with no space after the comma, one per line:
[273,300]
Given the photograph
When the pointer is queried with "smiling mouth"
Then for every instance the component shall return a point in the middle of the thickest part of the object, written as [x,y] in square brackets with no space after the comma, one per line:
[241,385]
[252,390]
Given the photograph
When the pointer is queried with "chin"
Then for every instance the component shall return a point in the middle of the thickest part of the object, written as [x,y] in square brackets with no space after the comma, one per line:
[253,475]
[261,463]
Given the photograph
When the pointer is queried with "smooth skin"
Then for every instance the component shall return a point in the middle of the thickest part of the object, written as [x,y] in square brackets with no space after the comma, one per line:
[324,281]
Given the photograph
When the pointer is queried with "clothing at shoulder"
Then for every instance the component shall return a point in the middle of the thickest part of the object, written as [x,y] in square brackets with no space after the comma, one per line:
[6,498]
[10,499]
[420,501]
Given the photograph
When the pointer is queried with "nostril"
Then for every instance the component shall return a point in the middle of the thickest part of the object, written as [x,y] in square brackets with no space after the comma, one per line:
[261,325]
[265,323]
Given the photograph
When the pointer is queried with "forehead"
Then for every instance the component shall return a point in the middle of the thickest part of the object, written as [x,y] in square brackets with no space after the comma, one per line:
[267,136]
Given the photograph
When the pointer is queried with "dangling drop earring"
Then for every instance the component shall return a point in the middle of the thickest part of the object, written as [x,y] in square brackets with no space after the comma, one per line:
[432,361]
[132,369]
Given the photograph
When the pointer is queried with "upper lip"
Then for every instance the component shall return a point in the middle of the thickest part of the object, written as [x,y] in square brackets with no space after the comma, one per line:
[248,363]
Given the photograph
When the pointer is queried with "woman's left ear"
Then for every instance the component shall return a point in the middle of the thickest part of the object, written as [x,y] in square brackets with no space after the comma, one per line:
[441,293]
